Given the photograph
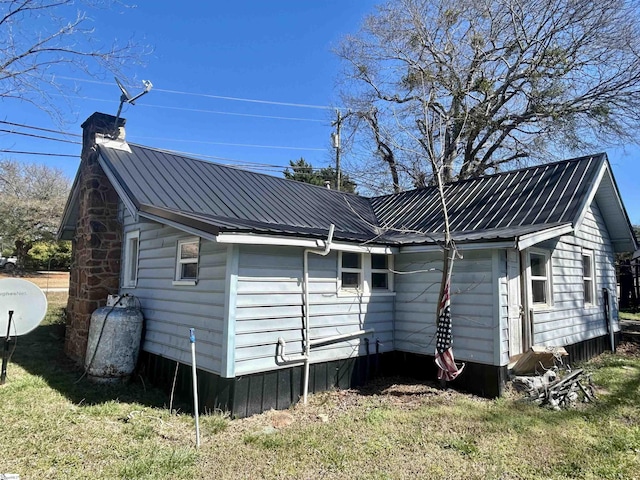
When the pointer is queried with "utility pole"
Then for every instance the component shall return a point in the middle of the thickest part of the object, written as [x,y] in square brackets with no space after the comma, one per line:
[335,137]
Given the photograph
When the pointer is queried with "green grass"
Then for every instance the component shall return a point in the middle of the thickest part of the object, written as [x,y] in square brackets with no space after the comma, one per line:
[56,424]
[629,315]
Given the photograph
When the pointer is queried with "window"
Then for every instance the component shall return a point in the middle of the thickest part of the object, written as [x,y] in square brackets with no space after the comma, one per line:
[351,271]
[379,272]
[588,277]
[130,260]
[187,260]
[365,273]
[540,277]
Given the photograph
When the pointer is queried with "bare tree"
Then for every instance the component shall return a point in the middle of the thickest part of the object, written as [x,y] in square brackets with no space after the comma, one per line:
[505,81]
[32,199]
[40,38]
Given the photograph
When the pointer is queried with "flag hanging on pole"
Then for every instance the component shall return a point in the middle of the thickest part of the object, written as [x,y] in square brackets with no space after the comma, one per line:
[447,369]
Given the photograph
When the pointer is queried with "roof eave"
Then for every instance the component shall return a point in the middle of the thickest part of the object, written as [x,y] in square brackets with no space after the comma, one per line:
[531,239]
[613,212]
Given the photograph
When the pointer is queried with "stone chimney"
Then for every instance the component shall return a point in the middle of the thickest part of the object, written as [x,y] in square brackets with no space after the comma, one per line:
[97,244]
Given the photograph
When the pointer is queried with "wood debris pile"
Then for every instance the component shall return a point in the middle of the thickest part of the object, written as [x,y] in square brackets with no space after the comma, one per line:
[550,390]
[558,386]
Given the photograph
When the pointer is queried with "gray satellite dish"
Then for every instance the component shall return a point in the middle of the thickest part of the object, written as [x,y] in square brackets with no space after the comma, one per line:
[27,302]
[126,97]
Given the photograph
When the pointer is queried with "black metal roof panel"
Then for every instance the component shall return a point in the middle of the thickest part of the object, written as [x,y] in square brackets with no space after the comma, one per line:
[234,199]
[215,198]
[543,195]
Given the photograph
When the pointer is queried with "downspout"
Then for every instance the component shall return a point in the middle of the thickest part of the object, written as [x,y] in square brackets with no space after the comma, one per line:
[307,340]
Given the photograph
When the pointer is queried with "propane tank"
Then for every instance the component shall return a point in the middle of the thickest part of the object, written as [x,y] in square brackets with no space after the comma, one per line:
[114,340]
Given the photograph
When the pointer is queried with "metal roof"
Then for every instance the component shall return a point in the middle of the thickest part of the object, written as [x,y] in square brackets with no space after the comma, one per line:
[211,198]
[547,194]
[230,199]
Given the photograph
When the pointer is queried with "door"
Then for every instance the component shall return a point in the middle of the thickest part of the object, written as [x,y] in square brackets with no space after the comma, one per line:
[516,330]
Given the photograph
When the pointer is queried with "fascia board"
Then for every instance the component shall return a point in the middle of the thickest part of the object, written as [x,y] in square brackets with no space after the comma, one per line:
[459,246]
[179,226]
[250,239]
[531,239]
[589,198]
[68,208]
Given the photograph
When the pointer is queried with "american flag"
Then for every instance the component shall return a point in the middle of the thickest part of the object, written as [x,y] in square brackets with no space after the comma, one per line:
[447,369]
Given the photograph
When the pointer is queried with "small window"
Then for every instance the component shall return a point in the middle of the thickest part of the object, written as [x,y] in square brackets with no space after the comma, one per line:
[187,260]
[540,278]
[588,277]
[130,261]
[351,270]
[380,272]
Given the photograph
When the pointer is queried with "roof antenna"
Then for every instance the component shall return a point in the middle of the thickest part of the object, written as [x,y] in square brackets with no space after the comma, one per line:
[126,96]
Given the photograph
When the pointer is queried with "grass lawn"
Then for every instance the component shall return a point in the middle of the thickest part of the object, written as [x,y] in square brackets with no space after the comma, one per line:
[55,424]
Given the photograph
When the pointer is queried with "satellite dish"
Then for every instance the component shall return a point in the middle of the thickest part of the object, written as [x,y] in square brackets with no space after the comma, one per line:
[28,302]
[126,97]
[125,92]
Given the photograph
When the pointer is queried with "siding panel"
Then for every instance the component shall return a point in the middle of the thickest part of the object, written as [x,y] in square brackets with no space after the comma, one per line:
[472,305]
[569,320]
[170,310]
[270,305]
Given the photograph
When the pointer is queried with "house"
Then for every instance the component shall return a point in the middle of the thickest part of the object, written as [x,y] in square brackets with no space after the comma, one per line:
[258,265]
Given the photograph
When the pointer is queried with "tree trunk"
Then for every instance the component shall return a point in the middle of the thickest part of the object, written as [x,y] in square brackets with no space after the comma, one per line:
[22,249]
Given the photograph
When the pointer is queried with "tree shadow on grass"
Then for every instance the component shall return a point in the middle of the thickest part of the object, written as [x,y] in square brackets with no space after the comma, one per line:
[41,353]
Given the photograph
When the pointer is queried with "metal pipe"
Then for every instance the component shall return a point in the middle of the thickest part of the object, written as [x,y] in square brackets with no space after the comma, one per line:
[282,345]
[192,339]
[307,343]
[337,338]
[5,355]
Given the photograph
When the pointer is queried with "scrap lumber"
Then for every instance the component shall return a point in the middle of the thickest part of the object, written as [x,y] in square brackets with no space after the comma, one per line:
[536,357]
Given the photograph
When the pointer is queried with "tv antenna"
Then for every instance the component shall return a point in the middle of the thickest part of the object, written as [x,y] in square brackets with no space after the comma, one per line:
[126,97]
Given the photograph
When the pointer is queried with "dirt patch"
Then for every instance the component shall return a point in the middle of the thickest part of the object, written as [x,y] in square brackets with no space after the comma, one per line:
[629,349]
[43,279]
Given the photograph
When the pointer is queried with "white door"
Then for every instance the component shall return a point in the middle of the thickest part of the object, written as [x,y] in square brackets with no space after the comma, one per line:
[516,331]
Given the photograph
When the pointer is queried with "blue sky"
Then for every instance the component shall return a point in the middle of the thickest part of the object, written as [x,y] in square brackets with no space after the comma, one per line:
[274,52]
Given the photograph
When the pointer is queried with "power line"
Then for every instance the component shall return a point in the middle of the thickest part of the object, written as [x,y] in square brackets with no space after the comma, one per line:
[200,110]
[39,128]
[46,154]
[248,145]
[219,97]
[280,147]
[32,135]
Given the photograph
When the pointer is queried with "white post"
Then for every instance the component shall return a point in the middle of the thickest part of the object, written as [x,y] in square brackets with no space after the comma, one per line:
[192,339]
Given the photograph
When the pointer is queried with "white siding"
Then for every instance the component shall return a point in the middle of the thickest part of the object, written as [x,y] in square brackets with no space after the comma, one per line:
[568,320]
[170,310]
[473,305]
[269,305]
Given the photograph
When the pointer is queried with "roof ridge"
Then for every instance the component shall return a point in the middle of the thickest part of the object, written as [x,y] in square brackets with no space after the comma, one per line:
[497,174]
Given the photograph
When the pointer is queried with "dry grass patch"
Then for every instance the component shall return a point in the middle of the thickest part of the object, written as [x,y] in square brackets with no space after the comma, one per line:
[43,279]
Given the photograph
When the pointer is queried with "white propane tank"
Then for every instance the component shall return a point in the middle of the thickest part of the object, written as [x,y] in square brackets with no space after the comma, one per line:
[114,340]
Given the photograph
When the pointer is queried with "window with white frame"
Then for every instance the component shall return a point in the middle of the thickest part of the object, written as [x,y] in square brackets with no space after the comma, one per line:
[588,277]
[540,278]
[351,273]
[130,260]
[365,273]
[187,260]
[380,272]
